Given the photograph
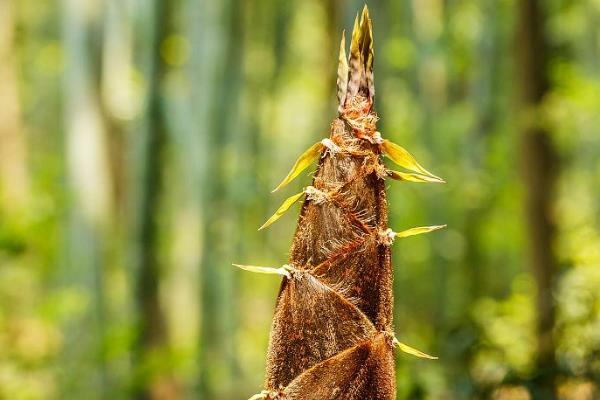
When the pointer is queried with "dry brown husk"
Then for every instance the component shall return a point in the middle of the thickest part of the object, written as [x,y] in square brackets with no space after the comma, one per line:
[332,333]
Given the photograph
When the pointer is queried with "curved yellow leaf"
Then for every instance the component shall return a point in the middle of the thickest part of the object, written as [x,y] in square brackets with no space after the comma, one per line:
[342,73]
[418,230]
[301,164]
[410,177]
[411,350]
[283,208]
[403,158]
[354,43]
[260,396]
[265,270]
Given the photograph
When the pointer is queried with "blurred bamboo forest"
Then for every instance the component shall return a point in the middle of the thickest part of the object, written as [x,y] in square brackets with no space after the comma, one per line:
[139,142]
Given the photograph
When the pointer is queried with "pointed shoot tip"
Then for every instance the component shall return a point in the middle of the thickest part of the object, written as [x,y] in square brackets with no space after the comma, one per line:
[365,18]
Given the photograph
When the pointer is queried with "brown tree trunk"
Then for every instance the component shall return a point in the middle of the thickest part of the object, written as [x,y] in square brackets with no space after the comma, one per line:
[222,84]
[89,195]
[540,175]
[153,335]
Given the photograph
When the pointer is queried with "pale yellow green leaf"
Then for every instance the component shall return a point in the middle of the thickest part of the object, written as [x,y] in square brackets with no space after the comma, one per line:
[418,230]
[367,39]
[302,163]
[282,209]
[342,73]
[260,396]
[411,350]
[403,158]
[265,270]
[354,43]
[413,177]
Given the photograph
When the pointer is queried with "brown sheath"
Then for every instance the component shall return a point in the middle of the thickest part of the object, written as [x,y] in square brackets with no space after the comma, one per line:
[332,333]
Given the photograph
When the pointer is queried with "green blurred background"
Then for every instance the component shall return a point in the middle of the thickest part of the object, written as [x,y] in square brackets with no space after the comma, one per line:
[139,142]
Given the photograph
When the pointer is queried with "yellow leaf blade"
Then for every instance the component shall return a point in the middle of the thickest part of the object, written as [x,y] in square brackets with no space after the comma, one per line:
[403,158]
[264,270]
[411,350]
[260,396]
[301,164]
[354,43]
[413,177]
[282,209]
[418,230]
[342,73]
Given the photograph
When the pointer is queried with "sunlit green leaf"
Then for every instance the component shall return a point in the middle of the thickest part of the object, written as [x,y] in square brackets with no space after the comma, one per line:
[282,209]
[265,270]
[411,350]
[403,158]
[260,396]
[301,164]
[342,73]
[418,230]
[413,177]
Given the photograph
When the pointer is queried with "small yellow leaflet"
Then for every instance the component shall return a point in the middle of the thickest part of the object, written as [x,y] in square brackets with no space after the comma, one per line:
[342,73]
[418,230]
[411,350]
[403,158]
[282,209]
[265,270]
[413,177]
[260,396]
[301,164]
